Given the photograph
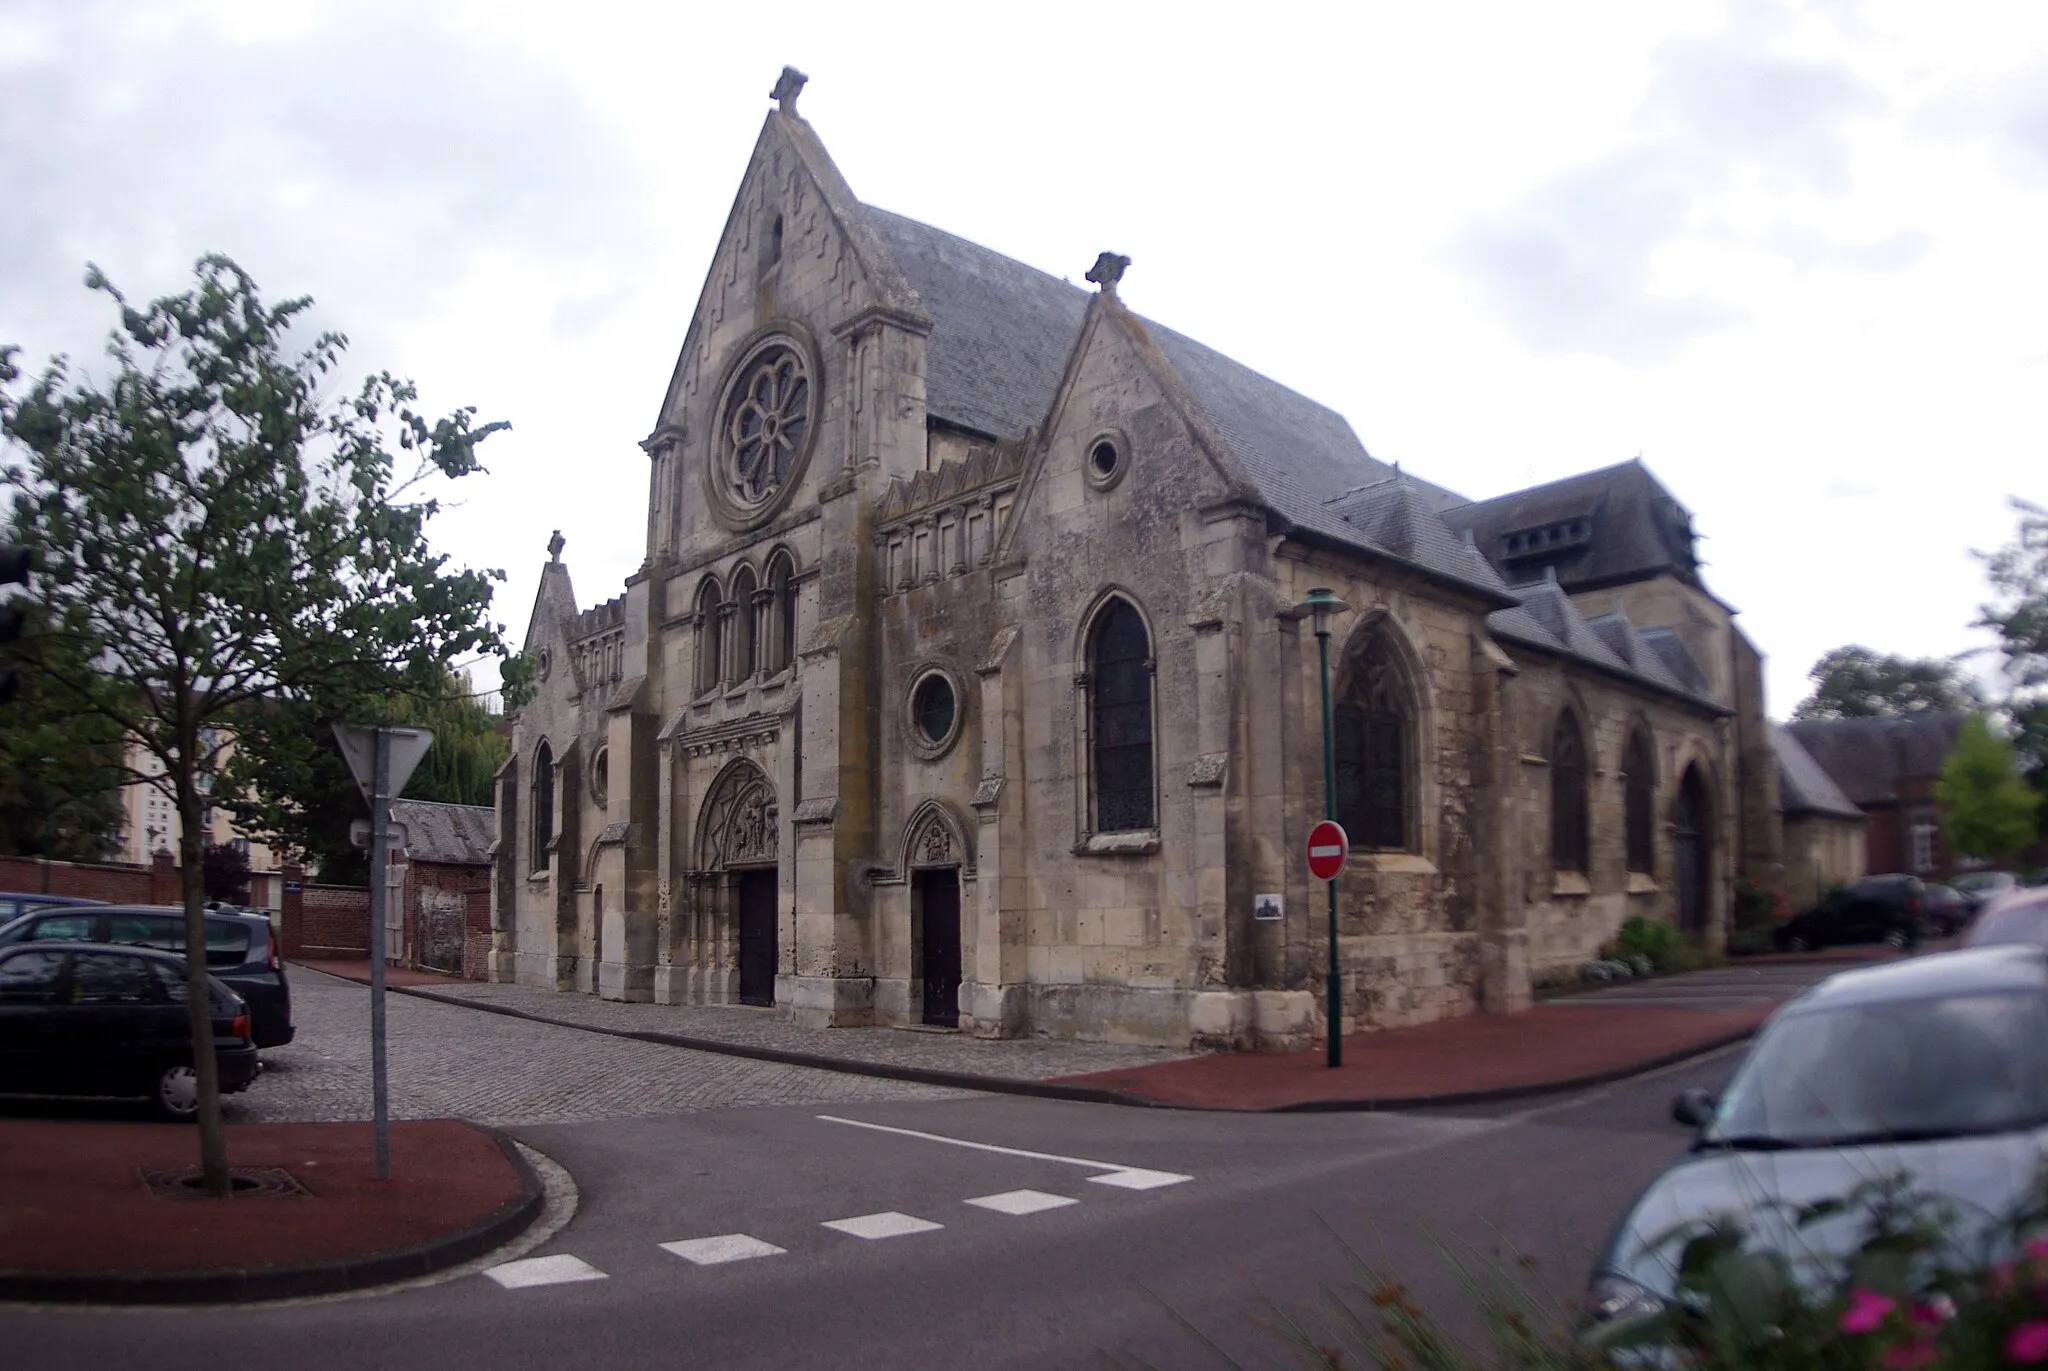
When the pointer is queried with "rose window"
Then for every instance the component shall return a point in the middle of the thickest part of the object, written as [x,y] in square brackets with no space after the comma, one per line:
[767,420]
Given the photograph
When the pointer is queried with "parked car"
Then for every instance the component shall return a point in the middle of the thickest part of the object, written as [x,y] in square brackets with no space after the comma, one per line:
[1979,888]
[93,1020]
[1935,1068]
[2018,917]
[240,949]
[1945,911]
[1876,909]
[15,903]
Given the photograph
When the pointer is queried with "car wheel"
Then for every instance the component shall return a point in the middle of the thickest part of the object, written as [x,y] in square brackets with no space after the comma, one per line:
[1798,943]
[177,1093]
[1897,938]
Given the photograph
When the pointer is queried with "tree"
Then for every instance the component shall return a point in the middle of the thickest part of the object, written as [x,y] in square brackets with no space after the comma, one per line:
[60,773]
[1855,683]
[1990,810]
[298,790]
[216,526]
[225,873]
[2019,574]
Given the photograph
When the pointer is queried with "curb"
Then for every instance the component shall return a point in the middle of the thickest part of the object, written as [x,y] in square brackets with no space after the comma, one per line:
[504,1223]
[1082,1094]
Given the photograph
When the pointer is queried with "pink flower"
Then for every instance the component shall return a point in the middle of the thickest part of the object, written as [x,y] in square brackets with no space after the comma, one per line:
[1933,1312]
[1866,1312]
[2028,1343]
[2037,1248]
[1909,1356]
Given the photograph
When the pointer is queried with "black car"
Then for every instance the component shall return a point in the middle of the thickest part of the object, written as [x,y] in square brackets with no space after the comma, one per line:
[240,949]
[1876,909]
[15,903]
[91,1020]
[1934,1070]
[1946,911]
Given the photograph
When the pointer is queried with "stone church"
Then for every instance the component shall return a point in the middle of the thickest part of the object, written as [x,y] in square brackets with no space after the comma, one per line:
[966,680]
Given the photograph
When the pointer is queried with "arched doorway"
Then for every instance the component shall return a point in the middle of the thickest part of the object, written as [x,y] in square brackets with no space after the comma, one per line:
[935,856]
[737,855]
[1689,852]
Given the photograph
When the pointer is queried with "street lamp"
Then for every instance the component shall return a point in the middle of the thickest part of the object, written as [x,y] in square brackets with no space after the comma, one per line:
[1322,603]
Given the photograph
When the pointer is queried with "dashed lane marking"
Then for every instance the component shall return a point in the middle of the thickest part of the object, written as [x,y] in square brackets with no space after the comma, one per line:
[728,1247]
[559,1269]
[889,1224]
[1022,1202]
[1124,1177]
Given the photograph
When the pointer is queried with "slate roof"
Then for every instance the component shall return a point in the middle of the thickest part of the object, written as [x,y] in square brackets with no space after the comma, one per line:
[1546,618]
[1870,758]
[459,835]
[1637,528]
[1001,335]
[1804,786]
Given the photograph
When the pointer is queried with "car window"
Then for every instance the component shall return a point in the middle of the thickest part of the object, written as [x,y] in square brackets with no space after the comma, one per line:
[109,978]
[30,977]
[172,979]
[1958,1064]
[227,942]
[61,928]
[146,930]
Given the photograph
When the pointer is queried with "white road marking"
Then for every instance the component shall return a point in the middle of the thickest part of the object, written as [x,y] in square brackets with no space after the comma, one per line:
[728,1247]
[559,1269]
[1022,1202]
[884,1225]
[1138,1178]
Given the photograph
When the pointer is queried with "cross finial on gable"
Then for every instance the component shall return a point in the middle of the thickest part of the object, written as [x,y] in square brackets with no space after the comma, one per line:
[1108,270]
[787,87]
[555,546]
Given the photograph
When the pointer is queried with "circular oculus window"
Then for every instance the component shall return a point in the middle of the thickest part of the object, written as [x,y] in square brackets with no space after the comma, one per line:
[601,775]
[934,712]
[1104,464]
[765,429]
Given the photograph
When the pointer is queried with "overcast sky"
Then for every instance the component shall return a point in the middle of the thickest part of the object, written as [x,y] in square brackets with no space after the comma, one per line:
[1792,255]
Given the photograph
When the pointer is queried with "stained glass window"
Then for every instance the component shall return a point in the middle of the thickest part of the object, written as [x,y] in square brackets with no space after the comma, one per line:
[1121,694]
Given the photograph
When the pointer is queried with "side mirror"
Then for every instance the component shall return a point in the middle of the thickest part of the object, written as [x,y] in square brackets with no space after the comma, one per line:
[1693,1107]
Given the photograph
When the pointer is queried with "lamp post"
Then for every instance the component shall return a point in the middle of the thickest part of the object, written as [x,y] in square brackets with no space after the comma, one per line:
[1322,603]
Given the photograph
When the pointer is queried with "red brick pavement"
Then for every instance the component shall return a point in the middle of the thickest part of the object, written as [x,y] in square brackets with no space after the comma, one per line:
[1551,1046]
[76,1200]
[360,971]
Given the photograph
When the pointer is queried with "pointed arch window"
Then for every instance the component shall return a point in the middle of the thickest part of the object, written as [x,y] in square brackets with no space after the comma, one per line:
[1639,788]
[741,653]
[708,617]
[779,627]
[1120,704]
[1567,796]
[1375,745]
[542,808]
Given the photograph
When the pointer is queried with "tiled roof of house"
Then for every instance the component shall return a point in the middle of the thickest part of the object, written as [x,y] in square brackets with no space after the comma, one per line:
[1547,619]
[459,835]
[1804,786]
[1869,758]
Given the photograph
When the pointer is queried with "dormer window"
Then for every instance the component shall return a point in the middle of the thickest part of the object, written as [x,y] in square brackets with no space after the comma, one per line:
[1544,539]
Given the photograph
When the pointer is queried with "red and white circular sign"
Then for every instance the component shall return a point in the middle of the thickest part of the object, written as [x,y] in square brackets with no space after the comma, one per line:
[1327,849]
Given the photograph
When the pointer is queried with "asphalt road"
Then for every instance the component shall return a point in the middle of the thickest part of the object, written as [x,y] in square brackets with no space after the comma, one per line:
[1263,1212]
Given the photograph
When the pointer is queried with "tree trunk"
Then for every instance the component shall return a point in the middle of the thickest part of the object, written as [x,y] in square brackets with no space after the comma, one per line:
[213,1142]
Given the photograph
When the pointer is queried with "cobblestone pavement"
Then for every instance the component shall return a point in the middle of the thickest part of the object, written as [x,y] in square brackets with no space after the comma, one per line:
[446,1061]
[1017,1059]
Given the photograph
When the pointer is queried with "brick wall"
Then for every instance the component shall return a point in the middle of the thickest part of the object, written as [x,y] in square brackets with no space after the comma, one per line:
[448,918]
[327,921]
[121,884]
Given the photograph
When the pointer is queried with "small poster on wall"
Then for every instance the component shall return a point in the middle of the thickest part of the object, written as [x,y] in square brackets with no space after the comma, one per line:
[1269,907]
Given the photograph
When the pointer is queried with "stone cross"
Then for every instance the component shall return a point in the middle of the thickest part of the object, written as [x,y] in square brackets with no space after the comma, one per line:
[787,87]
[555,546]
[1108,270]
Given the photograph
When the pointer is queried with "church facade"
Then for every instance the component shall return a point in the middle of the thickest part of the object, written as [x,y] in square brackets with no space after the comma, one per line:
[966,681]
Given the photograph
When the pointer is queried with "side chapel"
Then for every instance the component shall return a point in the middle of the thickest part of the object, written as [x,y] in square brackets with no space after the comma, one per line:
[965,682]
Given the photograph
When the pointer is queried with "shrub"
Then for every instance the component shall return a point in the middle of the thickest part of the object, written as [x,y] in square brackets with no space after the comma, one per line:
[1642,938]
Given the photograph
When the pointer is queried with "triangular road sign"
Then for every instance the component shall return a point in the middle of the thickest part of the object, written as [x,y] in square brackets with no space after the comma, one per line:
[359,750]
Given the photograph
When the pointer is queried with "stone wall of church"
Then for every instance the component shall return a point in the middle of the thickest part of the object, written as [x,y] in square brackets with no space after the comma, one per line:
[1568,916]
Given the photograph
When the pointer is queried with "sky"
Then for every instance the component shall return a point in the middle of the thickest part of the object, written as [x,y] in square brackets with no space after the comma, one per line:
[1788,254]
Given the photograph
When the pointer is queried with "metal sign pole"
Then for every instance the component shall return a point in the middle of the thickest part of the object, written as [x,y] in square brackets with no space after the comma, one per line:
[380,859]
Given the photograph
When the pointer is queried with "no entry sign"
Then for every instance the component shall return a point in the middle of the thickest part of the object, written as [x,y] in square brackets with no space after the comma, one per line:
[1327,849]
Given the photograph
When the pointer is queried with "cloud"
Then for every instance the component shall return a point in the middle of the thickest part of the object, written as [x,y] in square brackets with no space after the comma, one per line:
[370,150]
[1575,264]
